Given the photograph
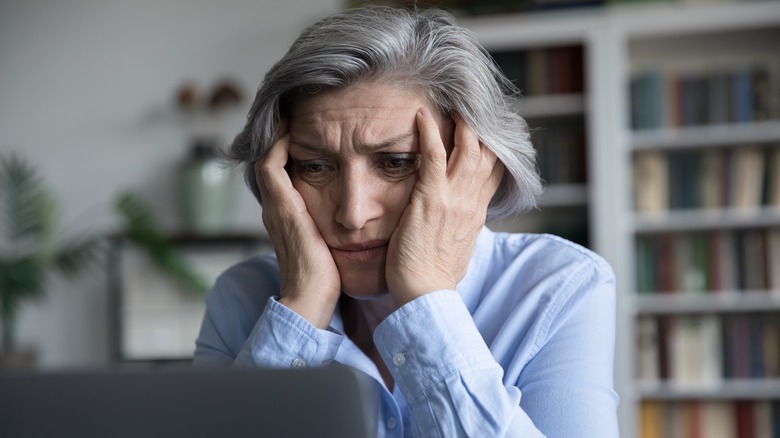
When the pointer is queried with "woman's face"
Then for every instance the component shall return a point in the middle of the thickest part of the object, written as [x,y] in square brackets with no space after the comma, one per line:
[354,155]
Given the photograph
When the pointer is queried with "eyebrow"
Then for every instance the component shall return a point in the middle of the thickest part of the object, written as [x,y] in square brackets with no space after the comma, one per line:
[362,147]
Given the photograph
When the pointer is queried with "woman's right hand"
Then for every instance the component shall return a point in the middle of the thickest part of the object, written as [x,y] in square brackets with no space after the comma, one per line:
[310,282]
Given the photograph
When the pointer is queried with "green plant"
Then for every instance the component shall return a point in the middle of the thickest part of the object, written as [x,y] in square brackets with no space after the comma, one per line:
[140,228]
[30,242]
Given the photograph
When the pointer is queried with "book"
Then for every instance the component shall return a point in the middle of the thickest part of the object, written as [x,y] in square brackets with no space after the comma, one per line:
[646,271]
[754,253]
[651,182]
[711,179]
[537,72]
[773,258]
[647,349]
[513,64]
[647,94]
[771,346]
[690,260]
[762,419]
[717,419]
[742,96]
[718,83]
[773,178]
[744,419]
[710,344]
[748,176]
[650,419]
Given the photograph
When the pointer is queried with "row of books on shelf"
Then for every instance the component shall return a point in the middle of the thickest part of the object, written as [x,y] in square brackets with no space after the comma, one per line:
[743,177]
[702,351]
[561,154]
[543,71]
[710,419]
[708,261]
[671,99]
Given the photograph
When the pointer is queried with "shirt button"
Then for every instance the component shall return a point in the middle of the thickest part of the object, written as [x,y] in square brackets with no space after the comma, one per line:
[391,423]
[399,359]
[298,363]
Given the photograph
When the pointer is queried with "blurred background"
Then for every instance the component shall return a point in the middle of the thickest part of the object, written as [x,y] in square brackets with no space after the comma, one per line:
[657,125]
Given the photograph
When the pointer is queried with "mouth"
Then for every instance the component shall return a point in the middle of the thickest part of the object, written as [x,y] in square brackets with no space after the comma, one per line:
[360,252]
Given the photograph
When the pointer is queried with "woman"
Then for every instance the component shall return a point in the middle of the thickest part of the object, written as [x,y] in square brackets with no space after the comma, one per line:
[378,147]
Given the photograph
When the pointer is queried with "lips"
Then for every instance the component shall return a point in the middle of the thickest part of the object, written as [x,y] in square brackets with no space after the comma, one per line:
[360,252]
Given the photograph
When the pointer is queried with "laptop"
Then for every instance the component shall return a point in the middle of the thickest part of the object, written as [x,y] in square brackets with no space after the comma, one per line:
[333,401]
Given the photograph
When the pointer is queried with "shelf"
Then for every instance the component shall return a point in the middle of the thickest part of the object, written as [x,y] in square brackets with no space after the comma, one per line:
[743,389]
[551,106]
[678,19]
[702,220]
[707,302]
[678,38]
[707,136]
[564,195]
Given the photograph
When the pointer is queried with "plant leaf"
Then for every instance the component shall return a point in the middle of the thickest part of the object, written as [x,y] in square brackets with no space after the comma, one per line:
[142,231]
[25,209]
[78,253]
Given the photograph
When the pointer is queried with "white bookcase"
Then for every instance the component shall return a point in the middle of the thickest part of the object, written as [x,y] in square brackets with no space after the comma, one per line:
[619,42]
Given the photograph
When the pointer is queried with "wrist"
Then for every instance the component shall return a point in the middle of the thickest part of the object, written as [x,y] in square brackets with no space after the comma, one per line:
[403,294]
[317,310]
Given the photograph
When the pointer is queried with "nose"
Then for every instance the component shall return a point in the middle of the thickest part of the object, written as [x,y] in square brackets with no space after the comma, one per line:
[356,200]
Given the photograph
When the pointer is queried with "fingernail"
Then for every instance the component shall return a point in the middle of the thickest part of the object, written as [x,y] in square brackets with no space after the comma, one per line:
[425,112]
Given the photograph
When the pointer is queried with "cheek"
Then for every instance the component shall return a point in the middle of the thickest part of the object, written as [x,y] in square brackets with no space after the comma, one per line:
[316,202]
[397,195]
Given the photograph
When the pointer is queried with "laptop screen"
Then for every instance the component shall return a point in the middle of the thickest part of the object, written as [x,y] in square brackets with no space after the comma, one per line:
[335,401]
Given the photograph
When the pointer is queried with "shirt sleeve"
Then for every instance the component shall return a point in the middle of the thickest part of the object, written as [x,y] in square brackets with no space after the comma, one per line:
[245,325]
[455,387]
[283,339]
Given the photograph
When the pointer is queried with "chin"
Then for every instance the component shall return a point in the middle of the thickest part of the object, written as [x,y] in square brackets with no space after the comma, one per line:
[365,285]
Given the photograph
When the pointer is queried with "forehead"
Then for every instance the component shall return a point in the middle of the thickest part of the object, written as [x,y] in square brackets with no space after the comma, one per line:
[363,113]
[365,98]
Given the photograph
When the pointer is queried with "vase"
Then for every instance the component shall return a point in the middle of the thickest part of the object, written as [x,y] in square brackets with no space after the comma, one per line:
[207,191]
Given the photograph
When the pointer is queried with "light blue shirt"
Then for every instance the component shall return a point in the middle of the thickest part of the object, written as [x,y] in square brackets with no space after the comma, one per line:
[523,347]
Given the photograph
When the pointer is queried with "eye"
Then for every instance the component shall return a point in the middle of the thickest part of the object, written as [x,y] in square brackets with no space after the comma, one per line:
[399,165]
[313,171]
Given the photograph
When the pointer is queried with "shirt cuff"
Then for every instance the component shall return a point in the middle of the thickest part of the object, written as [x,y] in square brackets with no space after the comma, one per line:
[283,339]
[428,339]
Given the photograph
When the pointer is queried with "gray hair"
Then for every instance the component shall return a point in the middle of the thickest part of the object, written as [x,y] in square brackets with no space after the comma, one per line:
[425,49]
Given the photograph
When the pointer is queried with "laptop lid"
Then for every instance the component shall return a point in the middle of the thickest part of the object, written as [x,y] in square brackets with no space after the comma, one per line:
[334,401]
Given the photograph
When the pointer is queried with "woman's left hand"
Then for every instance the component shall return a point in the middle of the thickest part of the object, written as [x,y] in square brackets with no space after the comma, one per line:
[431,248]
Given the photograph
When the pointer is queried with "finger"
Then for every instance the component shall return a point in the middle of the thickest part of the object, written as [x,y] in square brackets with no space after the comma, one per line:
[494,180]
[466,153]
[271,175]
[282,129]
[434,156]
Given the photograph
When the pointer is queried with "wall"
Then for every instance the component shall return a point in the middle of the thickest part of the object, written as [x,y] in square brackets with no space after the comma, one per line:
[86,92]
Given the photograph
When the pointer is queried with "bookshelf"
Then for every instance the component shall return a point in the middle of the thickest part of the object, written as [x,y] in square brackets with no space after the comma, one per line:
[703,232]
[713,307]
[551,80]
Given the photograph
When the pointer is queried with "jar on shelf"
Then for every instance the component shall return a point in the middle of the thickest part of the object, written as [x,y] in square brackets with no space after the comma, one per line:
[207,190]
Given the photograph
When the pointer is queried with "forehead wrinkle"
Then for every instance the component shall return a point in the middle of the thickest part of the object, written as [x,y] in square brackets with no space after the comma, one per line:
[358,145]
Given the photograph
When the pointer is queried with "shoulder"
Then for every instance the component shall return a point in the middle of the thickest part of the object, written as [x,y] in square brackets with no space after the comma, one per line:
[545,274]
[521,289]
[546,255]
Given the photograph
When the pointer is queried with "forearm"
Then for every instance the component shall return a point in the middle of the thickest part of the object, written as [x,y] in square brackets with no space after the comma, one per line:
[283,339]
